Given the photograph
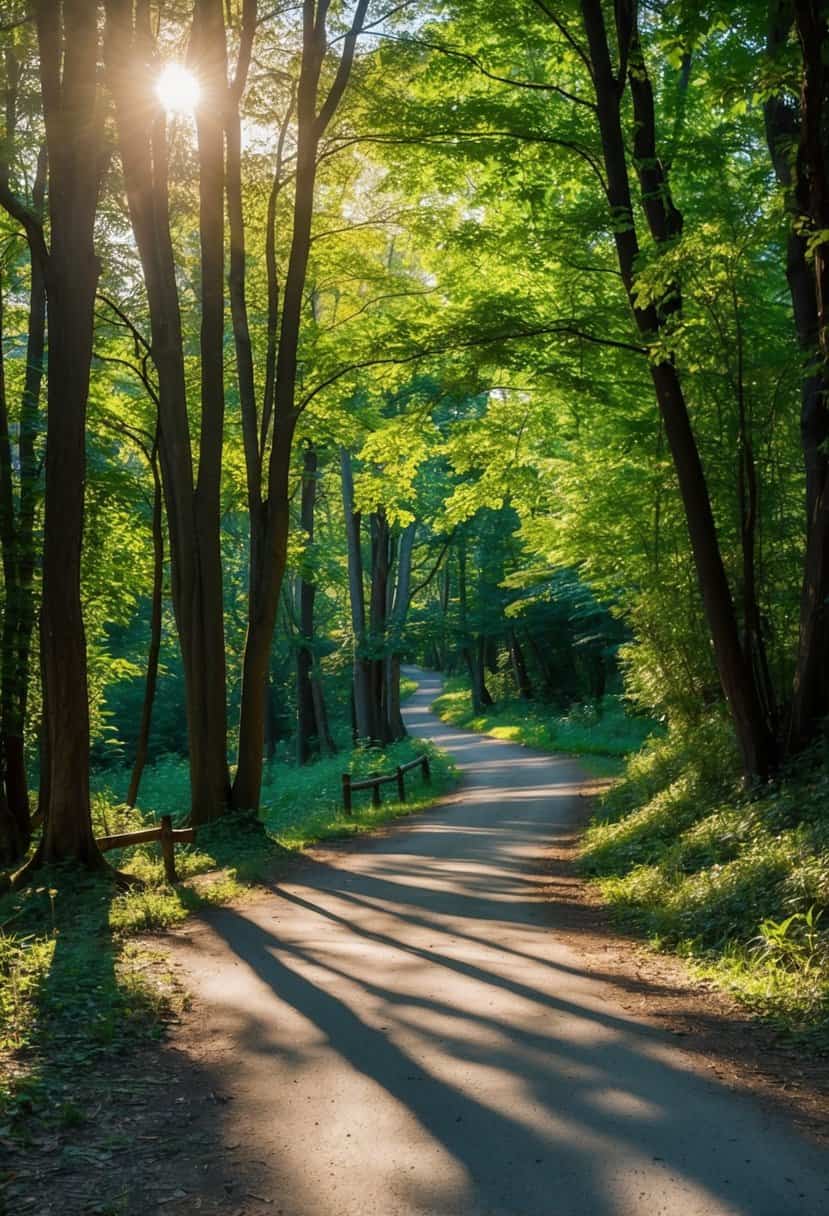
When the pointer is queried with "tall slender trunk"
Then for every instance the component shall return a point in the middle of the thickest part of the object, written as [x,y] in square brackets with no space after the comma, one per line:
[68,45]
[756,744]
[192,510]
[154,651]
[397,622]
[362,668]
[519,667]
[378,623]
[266,577]
[797,141]
[17,520]
[313,734]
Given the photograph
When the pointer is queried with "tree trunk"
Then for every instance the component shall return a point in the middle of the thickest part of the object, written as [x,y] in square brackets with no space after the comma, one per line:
[378,619]
[68,66]
[17,519]
[397,621]
[192,512]
[266,577]
[309,737]
[155,638]
[519,667]
[798,145]
[756,744]
[362,668]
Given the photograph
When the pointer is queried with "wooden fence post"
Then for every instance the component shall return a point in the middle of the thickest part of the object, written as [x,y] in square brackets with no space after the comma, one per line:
[168,848]
[427,772]
[347,793]
[401,784]
[375,791]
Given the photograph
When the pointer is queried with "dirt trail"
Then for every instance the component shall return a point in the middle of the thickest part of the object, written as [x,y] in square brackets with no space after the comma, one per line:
[405,1028]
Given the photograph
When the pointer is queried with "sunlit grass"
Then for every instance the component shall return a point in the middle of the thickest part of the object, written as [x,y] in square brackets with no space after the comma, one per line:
[729,880]
[74,982]
[600,733]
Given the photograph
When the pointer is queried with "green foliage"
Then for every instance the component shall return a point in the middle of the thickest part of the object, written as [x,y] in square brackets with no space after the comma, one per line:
[73,983]
[736,881]
[598,730]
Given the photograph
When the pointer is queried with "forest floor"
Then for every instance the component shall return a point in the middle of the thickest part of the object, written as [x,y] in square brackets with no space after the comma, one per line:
[439,1020]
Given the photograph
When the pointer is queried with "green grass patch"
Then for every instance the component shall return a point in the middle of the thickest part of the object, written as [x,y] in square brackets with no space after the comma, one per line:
[75,985]
[738,883]
[603,733]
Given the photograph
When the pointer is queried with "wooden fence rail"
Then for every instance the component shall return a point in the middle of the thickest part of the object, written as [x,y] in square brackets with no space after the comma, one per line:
[377,780]
[165,833]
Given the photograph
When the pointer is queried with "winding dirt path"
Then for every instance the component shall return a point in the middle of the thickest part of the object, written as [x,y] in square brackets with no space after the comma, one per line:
[404,1028]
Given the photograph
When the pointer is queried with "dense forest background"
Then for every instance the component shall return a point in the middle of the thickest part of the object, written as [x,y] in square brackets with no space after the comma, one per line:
[488,336]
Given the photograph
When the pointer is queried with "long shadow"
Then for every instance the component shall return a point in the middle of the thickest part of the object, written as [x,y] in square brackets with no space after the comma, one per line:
[587,1102]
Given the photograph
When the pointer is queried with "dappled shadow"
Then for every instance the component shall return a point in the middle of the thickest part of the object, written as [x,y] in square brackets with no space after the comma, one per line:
[408,1034]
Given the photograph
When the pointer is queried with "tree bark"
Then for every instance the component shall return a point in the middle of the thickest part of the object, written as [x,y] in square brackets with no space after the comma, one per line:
[192,511]
[802,130]
[756,744]
[313,734]
[397,622]
[17,516]
[362,668]
[156,607]
[519,667]
[68,46]
[266,577]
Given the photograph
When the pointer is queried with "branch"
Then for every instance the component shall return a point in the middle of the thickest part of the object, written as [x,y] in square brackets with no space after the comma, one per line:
[335,93]
[565,33]
[468,344]
[31,222]
[139,338]
[426,581]
[475,62]
[452,137]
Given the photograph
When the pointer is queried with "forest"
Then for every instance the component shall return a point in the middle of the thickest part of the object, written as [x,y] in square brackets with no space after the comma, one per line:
[344,342]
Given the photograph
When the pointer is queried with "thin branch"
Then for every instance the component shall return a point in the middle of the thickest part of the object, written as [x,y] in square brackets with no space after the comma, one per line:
[468,344]
[476,63]
[421,586]
[139,338]
[565,33]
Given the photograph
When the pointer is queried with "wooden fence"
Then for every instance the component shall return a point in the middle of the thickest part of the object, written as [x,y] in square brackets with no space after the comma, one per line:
[377,780]
[165,833]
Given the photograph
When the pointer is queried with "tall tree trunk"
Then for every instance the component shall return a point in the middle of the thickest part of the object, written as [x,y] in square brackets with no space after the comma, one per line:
[266,578]
[192,510]
[519,667]
[798,145]
[17,518]
[397,623]
[362,667]
[156,607]
[756,744]
[68,45]
[313,735]
[378,618]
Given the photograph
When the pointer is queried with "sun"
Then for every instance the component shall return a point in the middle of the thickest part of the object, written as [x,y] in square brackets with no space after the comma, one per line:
[178,89]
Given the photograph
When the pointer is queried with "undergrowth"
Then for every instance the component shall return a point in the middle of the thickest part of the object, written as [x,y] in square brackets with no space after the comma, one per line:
[75,984]
[737,882]
[601,731]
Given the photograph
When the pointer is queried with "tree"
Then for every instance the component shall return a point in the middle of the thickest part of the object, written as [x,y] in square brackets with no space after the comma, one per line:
[191,497]
[69,55]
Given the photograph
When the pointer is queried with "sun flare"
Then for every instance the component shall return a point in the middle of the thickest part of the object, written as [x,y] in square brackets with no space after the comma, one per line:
[178,89]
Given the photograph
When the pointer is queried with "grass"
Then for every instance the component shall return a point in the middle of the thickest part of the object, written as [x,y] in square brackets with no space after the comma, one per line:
[76,985]
[603,734]
[738,883]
